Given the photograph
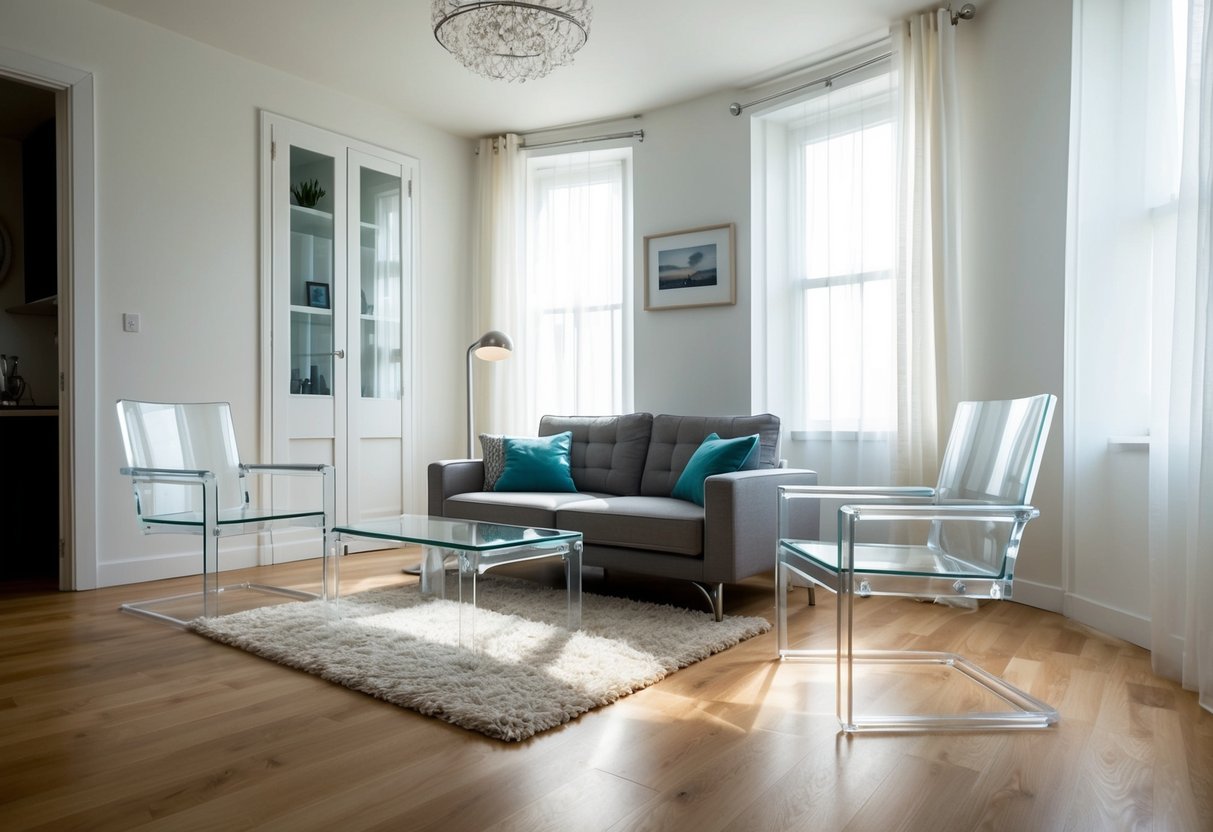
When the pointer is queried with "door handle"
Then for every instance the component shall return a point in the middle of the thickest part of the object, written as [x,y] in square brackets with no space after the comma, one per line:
[339,353]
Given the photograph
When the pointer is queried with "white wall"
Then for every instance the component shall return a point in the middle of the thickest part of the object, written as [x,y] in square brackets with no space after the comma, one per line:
[177,231]
[177,235]
[693,169]
[1111,295]
[1015,96]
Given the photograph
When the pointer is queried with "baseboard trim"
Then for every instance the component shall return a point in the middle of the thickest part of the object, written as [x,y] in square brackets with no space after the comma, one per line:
[1041,596]
[278,546]
[136,570]
[1107,619]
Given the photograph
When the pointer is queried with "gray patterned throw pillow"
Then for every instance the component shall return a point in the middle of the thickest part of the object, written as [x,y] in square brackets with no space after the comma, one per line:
[493,451]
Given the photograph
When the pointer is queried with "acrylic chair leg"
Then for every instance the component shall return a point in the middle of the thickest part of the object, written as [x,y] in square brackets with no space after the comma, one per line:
[781,605]
[845,655]
[210,575]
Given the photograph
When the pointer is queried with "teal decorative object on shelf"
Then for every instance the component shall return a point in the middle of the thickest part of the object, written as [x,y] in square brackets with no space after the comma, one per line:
[308,193]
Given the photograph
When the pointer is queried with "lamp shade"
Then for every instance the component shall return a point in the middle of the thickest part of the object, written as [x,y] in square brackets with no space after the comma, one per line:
[493,346]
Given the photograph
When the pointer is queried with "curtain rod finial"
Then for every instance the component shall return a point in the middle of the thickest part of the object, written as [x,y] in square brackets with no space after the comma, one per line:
[735,108]
[967,12]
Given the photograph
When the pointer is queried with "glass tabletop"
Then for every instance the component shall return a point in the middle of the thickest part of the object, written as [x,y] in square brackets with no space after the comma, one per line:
[468,535]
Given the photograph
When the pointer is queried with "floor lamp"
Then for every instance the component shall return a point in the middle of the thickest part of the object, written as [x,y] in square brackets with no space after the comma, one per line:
[492,346]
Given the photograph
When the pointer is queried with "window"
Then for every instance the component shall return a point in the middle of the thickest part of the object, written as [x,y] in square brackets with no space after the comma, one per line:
[830,196]
[577,281]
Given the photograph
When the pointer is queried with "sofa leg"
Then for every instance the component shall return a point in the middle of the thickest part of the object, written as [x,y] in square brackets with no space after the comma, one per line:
[812,595]
[715,595]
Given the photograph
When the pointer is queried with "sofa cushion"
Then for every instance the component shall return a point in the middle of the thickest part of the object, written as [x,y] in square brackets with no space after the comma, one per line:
[492,454]
[654,523]
[676,438]
[513,509]
[713,456]
[608,452]
[540,464]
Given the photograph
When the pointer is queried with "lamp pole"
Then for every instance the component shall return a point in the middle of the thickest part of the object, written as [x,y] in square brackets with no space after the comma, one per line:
[492,346]
[471,436]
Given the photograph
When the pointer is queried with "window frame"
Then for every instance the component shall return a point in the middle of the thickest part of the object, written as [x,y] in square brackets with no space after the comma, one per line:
[543,172]
[797,134]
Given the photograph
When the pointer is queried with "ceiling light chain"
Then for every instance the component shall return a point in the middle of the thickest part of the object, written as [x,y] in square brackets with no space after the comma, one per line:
[512,40]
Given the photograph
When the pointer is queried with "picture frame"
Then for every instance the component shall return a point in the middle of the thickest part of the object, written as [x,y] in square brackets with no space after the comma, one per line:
[318,295]
[690,268]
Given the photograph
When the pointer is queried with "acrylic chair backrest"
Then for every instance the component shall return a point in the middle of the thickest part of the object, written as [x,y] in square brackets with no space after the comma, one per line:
[993,456]
[195,436]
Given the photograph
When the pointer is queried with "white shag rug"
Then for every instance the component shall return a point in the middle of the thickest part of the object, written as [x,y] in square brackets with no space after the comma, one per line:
[528,674]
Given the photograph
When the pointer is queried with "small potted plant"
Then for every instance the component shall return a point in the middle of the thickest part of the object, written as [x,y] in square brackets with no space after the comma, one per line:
[308,193]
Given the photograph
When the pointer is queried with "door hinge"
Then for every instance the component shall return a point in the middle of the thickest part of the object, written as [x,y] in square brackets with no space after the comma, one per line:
[61,387]
[410,189]
[273,151]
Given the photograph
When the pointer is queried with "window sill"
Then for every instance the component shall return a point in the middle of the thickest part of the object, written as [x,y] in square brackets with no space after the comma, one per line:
[841,435]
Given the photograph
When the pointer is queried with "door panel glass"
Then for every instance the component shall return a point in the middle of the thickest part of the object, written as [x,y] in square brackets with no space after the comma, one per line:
[380,284]
[312,298]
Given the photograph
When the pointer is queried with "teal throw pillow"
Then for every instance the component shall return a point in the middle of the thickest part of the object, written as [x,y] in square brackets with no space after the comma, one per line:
[713,456]
[540,464]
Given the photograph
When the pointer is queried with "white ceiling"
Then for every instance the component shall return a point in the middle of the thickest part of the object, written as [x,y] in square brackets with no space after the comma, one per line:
[641,54]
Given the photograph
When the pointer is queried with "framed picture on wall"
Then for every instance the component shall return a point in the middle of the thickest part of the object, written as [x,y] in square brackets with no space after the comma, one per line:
[318,295]
[690,268]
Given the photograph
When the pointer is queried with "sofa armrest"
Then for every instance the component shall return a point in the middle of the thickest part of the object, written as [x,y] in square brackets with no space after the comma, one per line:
[741,524]
[448,477]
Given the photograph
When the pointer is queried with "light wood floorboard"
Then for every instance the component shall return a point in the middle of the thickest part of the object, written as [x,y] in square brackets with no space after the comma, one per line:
[109,721]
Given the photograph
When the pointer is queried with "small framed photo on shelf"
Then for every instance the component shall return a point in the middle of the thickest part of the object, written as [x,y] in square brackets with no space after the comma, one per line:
[690,268]
[318,295]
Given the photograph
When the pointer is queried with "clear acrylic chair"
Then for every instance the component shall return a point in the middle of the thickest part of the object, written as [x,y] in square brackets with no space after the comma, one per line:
[964,536]
[188,479]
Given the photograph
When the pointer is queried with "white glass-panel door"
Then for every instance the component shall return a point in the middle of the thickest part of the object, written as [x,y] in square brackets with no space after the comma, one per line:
[339,299]
[377,290]
[308,198]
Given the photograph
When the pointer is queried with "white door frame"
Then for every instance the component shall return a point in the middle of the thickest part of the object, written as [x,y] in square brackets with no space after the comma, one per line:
[77,309]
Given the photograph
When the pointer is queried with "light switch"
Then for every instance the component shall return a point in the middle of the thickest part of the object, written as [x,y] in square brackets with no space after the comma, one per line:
[130,321]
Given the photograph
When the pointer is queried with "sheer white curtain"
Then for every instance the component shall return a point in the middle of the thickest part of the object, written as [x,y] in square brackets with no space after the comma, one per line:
[575,281]
[861,208]
[830,320]
[553,267]
[1181,453]
[499,293]
[930,335]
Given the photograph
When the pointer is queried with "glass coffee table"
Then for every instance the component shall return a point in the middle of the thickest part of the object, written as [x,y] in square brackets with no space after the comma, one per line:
[477,547]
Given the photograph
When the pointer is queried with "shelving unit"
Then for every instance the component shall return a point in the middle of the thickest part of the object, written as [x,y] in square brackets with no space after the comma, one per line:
[311,327]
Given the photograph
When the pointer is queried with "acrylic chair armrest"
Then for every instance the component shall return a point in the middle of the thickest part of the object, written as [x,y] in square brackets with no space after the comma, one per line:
[859,492]
[936,511]
[287,468]
[178,475]
[328,497]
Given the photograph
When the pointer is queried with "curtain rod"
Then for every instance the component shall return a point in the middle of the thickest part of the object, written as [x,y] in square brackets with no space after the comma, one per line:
[590,123]
[634,134]
[967,12]
[736,108]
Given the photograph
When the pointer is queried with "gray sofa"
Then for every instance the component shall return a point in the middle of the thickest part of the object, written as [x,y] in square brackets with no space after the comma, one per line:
[624,468]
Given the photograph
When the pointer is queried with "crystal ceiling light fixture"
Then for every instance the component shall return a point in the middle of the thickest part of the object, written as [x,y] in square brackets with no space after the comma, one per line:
[512,41]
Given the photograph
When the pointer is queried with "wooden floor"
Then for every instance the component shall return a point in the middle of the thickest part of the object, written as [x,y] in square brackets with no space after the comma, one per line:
[108,721]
